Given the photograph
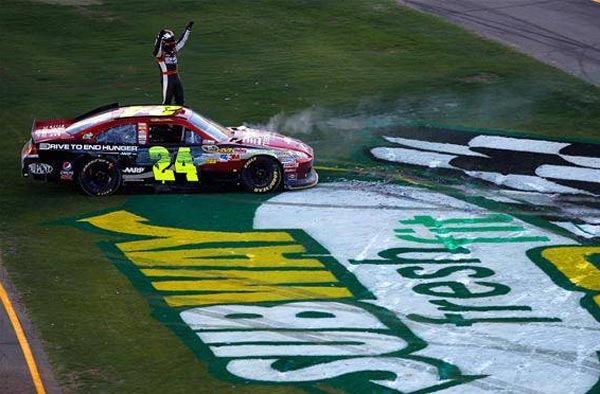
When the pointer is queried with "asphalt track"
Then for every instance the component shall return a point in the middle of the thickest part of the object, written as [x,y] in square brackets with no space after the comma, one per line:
[23,367]
[14,374]
[563,33]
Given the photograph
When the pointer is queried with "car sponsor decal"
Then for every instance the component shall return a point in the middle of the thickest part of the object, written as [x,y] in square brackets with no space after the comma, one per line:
[367,288]
[66,173]
[210,148]
[124,149]
[40,168]
[50,132]
[162,162]
[149,110]
[256,139]
[133,170]
[142,133]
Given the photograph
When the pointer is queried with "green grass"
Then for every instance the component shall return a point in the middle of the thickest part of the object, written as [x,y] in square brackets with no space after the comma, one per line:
[245,62]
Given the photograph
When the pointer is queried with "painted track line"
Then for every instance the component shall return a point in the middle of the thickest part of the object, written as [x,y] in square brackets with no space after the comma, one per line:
[25,348]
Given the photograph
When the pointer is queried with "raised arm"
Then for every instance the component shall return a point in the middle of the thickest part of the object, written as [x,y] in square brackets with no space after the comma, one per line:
[184,37]
[157,52]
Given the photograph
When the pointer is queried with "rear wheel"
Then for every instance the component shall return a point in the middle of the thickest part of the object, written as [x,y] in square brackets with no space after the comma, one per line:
[99,177]
[261,174]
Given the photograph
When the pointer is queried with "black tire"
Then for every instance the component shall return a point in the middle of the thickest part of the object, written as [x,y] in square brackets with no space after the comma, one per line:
[99,176]
[261,174]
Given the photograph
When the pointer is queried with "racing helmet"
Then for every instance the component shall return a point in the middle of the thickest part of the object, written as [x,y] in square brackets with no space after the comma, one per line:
[169,41]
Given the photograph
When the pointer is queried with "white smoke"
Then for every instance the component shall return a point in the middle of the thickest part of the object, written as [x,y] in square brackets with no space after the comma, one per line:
[366,115]
[303,122]
[480,109]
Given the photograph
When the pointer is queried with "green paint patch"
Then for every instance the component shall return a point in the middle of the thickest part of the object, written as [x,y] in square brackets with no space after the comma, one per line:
[275,307]
[292,308]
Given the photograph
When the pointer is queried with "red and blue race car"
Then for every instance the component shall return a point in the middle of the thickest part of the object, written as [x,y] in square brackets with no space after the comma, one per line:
[113,146]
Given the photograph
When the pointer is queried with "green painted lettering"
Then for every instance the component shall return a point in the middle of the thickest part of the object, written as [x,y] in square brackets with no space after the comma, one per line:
[444,305]
[477,272]
[460,290]
[460,321]
[429,256]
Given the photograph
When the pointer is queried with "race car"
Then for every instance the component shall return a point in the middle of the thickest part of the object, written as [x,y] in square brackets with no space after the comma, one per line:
[113,146]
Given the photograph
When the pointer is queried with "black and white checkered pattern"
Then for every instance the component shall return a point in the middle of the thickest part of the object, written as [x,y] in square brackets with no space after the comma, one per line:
[554,180]
[524,164]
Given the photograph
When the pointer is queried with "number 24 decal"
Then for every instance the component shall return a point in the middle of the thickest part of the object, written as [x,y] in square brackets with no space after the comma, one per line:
[162,161]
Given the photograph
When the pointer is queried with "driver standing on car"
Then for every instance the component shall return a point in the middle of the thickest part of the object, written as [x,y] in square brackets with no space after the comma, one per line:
[165,52]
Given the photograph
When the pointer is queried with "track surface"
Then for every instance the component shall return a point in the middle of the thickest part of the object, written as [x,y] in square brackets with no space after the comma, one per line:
[14,374]
[20,373]
[563,33]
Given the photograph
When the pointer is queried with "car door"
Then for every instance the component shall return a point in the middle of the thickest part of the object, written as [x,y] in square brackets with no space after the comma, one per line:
[167,148]
[119,141]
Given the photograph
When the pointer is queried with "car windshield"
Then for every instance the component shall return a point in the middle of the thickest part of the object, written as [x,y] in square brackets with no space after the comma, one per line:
[212,128]
[88,122]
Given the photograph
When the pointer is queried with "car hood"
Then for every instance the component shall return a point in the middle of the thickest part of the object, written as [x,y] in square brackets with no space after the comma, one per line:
[264,138]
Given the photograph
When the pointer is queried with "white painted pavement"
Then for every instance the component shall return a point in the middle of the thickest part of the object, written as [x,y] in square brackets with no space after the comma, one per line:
[552,350]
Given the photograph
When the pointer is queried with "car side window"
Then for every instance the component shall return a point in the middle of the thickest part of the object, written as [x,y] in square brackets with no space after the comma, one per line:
[165,134]
[121,134]
[190,137]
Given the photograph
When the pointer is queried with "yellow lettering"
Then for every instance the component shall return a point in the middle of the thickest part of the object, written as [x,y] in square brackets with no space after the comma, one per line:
[573,263]
[163,256]
[259,256]
[244,282]
[167,237]
[254,277]
[267,293]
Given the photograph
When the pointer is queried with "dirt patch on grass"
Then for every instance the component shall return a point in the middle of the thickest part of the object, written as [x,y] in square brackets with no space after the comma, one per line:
[81,6]
[480,78]
[79,3]
[72,381]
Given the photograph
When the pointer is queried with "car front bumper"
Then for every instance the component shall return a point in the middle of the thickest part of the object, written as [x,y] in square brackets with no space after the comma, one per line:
[293,183]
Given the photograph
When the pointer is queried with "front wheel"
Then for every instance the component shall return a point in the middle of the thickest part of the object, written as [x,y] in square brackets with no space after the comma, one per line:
[261,174]
[99,177]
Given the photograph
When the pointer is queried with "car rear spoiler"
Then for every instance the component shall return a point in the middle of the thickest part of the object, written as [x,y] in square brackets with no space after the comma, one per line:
[98,110]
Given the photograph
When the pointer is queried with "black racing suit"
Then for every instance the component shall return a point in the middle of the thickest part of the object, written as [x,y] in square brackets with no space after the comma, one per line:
[167,62]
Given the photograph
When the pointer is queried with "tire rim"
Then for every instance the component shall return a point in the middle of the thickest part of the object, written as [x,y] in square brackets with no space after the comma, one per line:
[261,174]
[98,178]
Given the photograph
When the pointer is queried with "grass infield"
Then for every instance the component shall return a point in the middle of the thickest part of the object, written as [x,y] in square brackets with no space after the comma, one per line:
[359,61]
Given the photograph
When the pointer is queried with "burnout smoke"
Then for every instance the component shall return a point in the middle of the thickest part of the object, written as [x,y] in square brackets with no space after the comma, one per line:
[481,108]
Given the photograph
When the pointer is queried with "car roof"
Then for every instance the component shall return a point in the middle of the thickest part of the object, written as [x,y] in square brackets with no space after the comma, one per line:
[135,111]
[111,113]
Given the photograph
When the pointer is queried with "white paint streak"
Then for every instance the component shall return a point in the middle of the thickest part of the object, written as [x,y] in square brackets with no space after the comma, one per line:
[411,156]
[583,161]
[435,146]
[410,375]
[222,317]
[569,173]
[581,230]
[517,144]
[300,343]
[525,182]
